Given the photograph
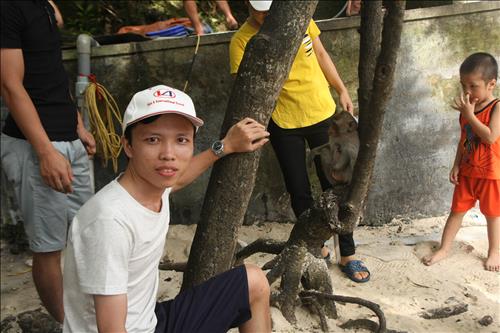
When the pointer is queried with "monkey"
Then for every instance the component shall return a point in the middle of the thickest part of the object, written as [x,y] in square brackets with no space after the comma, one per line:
[340,153]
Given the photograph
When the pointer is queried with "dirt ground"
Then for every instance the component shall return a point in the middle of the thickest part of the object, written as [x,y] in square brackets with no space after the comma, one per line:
[402,286]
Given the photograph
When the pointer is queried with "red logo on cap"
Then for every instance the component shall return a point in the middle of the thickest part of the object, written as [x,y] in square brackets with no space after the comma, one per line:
[164,93]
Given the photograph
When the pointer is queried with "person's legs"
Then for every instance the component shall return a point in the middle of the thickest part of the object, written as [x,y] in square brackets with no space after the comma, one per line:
[46,214]
[47,276]
[236,298]
[259,293]
[493,261]
[464,198]
[289,147]
[489,204]
[450,231]
[316,136]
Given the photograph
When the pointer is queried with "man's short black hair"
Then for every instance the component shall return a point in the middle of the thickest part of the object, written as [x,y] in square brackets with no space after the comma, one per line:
[481,62]
[149,120]
[128,130]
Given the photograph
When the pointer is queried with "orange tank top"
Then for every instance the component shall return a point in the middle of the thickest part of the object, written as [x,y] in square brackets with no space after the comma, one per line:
[479,159]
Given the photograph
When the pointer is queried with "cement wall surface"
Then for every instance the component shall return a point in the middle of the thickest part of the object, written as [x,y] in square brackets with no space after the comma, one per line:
[420,129]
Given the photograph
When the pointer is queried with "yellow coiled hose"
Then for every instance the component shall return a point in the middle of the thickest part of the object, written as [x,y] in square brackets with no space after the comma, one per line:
[103,112]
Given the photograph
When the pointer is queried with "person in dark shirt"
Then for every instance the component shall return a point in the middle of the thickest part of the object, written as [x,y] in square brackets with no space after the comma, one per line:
[44,146]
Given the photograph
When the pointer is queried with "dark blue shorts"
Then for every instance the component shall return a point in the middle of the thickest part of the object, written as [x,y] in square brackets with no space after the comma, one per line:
[214,306]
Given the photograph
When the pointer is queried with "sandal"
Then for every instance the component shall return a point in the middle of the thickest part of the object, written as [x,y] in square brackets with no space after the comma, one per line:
[355,266]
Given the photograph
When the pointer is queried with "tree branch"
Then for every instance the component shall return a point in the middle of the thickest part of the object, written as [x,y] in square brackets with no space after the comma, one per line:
[372,117]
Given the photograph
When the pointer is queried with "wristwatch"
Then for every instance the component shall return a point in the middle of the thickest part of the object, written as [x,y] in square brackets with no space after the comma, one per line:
[218,148]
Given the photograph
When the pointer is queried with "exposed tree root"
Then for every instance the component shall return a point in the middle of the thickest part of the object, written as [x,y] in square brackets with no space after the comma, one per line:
[366,324]
[313,303]
[299,262]
[261,245]
[445,311]
[173,266]
[354,300]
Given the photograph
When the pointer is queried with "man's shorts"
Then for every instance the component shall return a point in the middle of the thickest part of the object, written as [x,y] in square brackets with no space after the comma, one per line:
[46,212]
[214,306]
[469,190]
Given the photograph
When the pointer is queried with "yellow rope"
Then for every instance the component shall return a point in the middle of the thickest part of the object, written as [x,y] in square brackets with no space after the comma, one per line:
[102,122]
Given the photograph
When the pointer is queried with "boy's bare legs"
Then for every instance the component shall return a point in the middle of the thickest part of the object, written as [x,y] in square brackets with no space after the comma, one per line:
[259,293]
[47,276]
[493,261]
[450,231]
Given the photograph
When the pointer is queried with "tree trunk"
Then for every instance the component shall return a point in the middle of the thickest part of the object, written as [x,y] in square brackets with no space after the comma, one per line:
[262,73]
[371,113]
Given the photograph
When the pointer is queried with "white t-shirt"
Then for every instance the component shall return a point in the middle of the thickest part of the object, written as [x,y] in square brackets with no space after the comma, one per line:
[114,247]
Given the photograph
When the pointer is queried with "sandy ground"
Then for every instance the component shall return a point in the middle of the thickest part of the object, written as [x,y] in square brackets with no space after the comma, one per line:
[400,284]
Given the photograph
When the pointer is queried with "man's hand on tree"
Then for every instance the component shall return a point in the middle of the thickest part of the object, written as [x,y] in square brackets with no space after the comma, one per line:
[245,136]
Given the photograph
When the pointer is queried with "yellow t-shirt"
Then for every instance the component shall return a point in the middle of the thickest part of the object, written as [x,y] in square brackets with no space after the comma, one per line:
[305,99]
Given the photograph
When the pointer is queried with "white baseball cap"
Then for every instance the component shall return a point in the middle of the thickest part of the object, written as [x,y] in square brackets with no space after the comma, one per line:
[159,100]
[261,5]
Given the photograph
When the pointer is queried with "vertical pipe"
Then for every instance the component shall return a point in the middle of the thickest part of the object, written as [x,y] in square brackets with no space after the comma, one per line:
[84,45]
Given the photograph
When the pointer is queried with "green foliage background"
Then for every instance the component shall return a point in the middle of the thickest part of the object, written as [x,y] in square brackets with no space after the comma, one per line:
[105,17]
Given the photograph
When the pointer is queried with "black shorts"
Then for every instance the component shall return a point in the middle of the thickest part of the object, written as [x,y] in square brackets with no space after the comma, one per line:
[214,306]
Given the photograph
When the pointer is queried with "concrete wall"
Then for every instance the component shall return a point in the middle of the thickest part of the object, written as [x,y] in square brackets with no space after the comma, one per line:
[420,129]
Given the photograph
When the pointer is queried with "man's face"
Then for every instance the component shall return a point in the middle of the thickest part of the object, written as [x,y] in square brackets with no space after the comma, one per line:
[161,151]
[477,87]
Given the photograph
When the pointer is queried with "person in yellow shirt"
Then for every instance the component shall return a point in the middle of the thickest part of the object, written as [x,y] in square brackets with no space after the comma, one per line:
[302,114]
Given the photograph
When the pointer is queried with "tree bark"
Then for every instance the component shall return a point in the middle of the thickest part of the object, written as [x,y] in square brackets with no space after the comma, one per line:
[371,114]
[262,73]
[369,46]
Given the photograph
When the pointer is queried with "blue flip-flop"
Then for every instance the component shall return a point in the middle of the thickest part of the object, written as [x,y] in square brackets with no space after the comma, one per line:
[355,266]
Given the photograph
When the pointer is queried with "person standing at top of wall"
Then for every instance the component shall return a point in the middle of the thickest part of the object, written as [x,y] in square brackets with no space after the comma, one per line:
[200,28]
[44,144]
[303,113]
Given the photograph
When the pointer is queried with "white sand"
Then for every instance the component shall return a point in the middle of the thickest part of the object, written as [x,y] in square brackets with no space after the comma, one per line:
[400,284]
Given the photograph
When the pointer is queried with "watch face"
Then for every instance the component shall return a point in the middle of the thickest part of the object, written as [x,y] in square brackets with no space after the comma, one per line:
[217,145]
[218,148]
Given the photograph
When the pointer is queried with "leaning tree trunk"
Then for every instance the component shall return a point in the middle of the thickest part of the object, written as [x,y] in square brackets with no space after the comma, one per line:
[373,101]
[262,73]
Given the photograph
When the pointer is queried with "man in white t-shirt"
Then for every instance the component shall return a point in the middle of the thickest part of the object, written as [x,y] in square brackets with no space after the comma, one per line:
[117,238]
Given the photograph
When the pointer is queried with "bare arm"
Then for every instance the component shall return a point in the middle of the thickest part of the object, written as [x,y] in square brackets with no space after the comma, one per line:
[59,18]
[54,168]
[226,10]
[111,313]
[331,74]
[85,136]
[488,134]
[245,136]
[192,13]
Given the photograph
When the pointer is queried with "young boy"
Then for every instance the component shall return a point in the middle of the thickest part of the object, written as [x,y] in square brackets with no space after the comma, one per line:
[116,240]
[476,170]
